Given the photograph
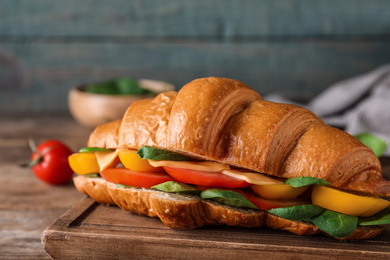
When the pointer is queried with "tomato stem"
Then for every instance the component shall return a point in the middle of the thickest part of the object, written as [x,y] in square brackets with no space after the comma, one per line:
[36,161]
[32,144]
[33,148]
[32,163]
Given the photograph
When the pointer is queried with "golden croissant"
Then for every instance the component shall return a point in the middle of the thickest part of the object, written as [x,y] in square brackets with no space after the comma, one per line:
[224,127]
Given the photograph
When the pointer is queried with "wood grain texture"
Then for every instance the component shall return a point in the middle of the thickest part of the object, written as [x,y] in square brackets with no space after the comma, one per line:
[291,46]
[51,69]
[108,232]
[27,205]
[214,19]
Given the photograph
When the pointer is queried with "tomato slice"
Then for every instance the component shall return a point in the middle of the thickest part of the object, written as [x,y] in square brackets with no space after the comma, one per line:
[206,178]
[128,177]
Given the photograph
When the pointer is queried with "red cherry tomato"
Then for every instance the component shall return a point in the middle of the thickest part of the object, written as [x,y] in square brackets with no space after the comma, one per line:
[128,177]
[205,178]
[50,162]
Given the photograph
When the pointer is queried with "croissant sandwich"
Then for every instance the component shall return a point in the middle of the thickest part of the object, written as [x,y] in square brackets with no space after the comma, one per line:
[217,153]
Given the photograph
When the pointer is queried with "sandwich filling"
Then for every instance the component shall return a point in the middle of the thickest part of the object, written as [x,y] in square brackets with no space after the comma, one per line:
[334,211]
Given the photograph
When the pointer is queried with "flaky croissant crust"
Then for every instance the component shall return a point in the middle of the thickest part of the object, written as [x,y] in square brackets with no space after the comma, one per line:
[224,120]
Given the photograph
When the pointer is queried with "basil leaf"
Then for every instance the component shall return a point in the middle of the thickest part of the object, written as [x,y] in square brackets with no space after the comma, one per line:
[119,86]
[227,197]
[125,186]
[103,88]
[128,86]
[147,152]
[377,145]
[380,218]
[305,181]
[93,149]
[176,187]
[92,175]
[335,224]
[299,212]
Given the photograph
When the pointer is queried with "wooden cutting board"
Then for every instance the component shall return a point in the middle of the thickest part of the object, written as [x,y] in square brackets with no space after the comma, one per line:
[93,231]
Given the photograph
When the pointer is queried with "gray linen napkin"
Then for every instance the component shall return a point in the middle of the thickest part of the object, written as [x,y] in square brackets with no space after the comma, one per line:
[360,104]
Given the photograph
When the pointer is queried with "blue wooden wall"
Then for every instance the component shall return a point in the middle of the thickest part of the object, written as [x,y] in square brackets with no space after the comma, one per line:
[304,46]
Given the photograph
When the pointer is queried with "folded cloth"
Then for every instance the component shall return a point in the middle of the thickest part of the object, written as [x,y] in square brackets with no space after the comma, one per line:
[356,105]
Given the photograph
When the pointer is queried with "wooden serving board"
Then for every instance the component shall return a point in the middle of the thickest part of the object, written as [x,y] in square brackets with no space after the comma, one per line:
[93,231]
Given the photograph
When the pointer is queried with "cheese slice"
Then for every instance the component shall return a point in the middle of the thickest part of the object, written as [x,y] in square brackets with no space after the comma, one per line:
[105,159]
[198,166]
[252,177]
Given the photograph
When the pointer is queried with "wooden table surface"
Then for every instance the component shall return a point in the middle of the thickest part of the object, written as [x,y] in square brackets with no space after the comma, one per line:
[27,205]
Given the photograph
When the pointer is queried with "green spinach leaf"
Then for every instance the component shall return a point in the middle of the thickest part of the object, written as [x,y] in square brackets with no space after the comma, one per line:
[227,197]
[125,186]
[335,224]
[92,175]
[305,181]
[299,212]
[93,149]
[147,152]
[176,187]
[380,218]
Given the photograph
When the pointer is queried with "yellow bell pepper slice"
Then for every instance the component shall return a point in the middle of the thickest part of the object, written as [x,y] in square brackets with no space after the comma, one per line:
[278,191]
[347,203]
[83,163]
[131,160]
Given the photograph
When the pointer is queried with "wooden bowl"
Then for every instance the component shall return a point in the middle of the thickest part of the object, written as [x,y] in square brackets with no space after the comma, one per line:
[91,109]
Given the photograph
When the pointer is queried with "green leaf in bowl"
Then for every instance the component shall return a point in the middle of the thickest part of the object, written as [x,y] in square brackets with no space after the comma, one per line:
[128,86]
[118,86]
